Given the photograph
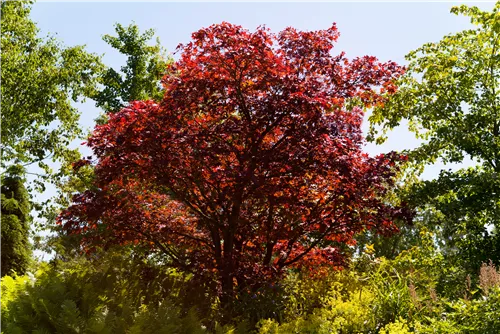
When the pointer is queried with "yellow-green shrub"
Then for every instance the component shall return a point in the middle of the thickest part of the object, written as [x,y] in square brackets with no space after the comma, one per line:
[397,327]
[339,310]
[110,295]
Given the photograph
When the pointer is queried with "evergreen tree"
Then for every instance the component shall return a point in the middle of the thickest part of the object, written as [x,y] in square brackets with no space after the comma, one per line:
[16,248]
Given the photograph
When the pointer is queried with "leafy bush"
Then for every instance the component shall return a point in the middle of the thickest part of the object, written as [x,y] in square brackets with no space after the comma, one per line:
[10,289]
[165,319]
[340,301]
[122,292]
[351,315]
[111,295]
[397,327]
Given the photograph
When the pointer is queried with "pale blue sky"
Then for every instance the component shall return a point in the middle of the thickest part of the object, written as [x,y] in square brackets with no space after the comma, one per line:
[386,30]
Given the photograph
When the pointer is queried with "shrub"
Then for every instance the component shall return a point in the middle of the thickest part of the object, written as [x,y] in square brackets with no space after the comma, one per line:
[112,294]
[339,302]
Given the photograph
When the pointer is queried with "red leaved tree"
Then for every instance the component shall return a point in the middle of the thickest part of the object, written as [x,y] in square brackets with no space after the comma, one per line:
[252,162]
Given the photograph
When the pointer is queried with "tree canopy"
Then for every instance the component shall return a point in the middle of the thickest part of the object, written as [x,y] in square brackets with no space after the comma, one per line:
[250,163]
[451,97]
[40,80]
[140,77]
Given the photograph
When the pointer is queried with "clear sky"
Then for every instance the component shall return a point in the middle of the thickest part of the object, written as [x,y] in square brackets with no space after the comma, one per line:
[387,30]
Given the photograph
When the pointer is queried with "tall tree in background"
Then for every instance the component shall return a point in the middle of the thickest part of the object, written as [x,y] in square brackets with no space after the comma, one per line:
[16,249]
[40,79]
[451,97]
[250,164]
[140,77]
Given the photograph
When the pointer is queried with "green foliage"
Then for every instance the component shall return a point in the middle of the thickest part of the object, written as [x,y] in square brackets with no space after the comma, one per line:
[450,96]
[397,327]
[463,316]
[165,319]
[16,248]
[481,316]
[465,206]
[40,78]
[121,292]
[117,293]
[140,77]
[450,88]
[342,302]
[339,313]
[392,296]
[11,285]
[339,301]
[389,246]
[406,286]
[304,293]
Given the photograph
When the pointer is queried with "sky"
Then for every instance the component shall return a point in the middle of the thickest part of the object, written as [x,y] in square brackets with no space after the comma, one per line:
[387,30]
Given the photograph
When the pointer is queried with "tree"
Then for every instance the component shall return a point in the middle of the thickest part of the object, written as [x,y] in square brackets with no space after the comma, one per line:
[450,95]
[16,249]
[40,79]
[140,77]
[251,163]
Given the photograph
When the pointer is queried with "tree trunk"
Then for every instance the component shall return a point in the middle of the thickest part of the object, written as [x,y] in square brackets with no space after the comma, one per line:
[227,297]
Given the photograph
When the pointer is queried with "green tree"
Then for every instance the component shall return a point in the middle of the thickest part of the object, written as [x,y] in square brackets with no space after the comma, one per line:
[140,78]
[40,80]
[450,96]
[16,249]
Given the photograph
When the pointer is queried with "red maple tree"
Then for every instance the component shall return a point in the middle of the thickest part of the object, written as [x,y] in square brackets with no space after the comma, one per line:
[252,162]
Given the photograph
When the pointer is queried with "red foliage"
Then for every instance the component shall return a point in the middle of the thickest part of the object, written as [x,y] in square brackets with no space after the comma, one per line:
[251,163]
